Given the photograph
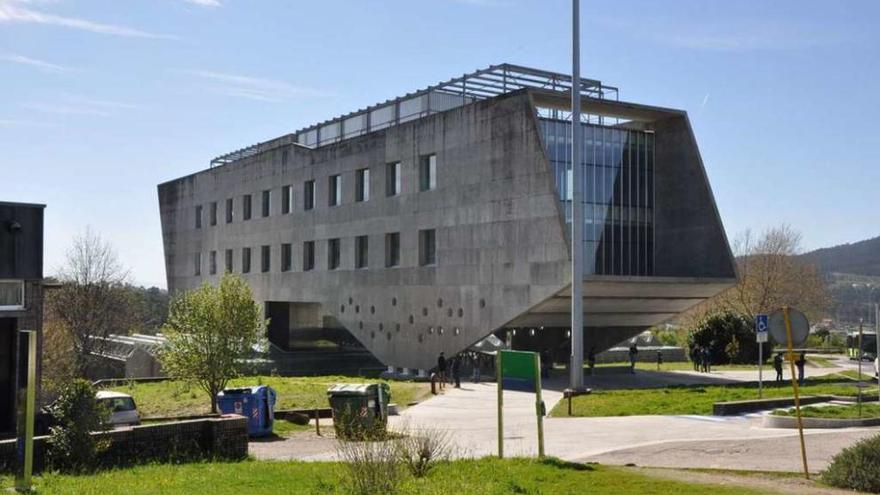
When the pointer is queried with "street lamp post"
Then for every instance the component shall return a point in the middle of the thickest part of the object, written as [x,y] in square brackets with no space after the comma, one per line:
[577,212]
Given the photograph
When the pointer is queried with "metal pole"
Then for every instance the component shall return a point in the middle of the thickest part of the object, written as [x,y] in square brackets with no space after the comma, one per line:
[877,340]
[26,403]
[539,405]
[500,404]
[760,370]
[577,211]
[794,386]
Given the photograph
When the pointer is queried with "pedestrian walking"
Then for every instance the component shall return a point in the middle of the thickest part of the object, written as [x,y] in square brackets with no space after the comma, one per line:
[695,357]
[777,365]
[659,359]
[477,367]
[441,369]
[633,355]
[591,359]
[707,359]
[801,361]
[456,371]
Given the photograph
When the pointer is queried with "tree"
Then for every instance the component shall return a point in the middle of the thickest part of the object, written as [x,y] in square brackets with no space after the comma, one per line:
[72,447]
[209,331]
[772,275]
[92,302]
[730,338]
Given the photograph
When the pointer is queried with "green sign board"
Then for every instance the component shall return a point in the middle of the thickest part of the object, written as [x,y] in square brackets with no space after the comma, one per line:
[519,371]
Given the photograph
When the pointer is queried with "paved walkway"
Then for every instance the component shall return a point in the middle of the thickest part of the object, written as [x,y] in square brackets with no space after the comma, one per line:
[468,415]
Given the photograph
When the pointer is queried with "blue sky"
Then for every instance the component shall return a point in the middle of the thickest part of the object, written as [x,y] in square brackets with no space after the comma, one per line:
[101,100]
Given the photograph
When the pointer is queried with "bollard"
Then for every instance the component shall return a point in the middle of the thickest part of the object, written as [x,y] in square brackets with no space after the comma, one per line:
[433,384]
[317,422]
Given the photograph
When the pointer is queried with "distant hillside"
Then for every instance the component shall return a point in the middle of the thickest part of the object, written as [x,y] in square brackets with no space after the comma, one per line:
[859,258]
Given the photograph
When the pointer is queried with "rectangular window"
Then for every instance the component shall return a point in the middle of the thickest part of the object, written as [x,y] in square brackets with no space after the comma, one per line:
[265,259]
[362,185]
[213,262]
[333,251]
[334,193]
[246,207]
[286,199]
[11,295]
[309,195]
[392,249]
[308,255]
[284,157]
[428,173]
[427,247]
[198,216]
[229,210]
[286,257]
[213,213]
[228,260]
[245,260]
[267,202]
[361,251]
[197,264]
[392,179]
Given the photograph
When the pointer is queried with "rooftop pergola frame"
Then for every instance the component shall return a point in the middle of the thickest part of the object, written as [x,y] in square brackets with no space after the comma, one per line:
[479,85]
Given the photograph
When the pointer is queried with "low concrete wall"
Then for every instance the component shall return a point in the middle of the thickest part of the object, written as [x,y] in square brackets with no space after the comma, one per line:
[647,354]
[733,408]
[216,438]
[771,421]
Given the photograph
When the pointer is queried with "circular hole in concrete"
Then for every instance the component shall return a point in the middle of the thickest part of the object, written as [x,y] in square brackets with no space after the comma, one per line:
[350,300]
[381,327]
[449,312]
[357,309]
[424,311]
[440,331]
[482,303]
[394,301]
[460,312]
[342,308]
[411,319]
[397,328]
[372,335]
[440,302]
[372,310]
[361,325]
[388,335]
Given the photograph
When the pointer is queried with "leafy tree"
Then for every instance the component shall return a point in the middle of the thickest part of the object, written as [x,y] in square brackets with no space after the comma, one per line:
[209,331]
[72,447]
[730,338]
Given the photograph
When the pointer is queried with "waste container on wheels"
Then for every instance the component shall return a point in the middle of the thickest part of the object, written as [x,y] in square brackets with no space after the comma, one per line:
[360,411]
[257,404]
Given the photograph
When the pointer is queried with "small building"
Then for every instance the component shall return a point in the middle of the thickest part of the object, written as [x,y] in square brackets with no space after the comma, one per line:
[21,300]
[127,356]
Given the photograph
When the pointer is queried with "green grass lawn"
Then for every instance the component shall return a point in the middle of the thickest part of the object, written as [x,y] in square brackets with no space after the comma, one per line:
[688,399]
[487,476]
[174,398]
[819,362]
[834,412]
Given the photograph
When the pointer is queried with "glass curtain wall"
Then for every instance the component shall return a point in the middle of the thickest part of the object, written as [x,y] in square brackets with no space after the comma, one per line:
[618,197]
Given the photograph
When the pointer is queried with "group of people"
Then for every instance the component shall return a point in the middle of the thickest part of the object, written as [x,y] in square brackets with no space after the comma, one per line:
[799,363]
[701,356]
[449,370]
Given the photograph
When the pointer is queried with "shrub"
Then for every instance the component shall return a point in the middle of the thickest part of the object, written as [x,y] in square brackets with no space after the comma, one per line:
[374,468]
[72,447]
[730,338]
[421,451]
[856,467]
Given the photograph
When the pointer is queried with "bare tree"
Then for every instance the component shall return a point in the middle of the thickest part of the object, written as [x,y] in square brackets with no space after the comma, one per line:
[772,275]
[92,302]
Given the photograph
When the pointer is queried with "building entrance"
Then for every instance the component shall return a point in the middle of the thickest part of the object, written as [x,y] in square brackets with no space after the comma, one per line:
[7,375]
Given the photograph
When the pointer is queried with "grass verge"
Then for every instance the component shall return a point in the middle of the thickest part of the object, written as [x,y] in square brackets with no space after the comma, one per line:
[176,398]
[488,476]
[834,412]
[688,399]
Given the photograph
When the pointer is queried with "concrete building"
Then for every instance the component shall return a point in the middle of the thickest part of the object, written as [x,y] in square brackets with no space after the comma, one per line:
[427,222]
[21,301]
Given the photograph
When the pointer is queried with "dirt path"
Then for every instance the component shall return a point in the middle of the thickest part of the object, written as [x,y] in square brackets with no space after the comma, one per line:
[756,481]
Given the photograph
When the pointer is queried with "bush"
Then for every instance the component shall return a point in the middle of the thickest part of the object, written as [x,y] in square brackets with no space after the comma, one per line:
[421,451]
[856,467]
[730,338]
[72,447]
[374,468]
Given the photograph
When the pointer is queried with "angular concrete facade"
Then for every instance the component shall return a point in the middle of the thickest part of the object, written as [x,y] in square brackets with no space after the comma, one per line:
[500,242]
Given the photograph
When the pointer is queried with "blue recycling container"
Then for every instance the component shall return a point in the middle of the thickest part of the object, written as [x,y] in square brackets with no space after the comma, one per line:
[257,404]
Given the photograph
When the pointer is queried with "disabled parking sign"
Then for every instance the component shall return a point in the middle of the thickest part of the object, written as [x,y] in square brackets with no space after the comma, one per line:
[762,327]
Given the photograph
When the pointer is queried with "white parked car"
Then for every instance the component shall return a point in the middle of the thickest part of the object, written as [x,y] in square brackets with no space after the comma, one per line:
[123,410]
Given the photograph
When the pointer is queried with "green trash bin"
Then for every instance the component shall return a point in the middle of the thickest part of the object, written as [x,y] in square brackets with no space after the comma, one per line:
[360,411]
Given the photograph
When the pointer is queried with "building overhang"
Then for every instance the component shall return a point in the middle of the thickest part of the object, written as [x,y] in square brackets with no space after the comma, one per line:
[615,301]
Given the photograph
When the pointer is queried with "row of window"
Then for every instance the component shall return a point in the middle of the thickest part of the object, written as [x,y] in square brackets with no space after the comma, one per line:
[427,182]
[427,254]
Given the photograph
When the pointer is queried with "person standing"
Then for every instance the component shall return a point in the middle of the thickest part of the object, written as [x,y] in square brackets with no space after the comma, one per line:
[633,355]
[707,359]
[695,357]
[591,359]
[456,371]
[777,365]
[441,369]
[477,369]
[801,361]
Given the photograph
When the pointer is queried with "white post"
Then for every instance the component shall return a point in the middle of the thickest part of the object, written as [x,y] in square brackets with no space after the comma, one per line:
[760,370]
[577,210]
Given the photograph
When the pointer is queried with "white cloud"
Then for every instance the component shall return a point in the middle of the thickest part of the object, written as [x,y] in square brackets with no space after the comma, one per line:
[254,88]
[32,62]
[12,12]
[204,3]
